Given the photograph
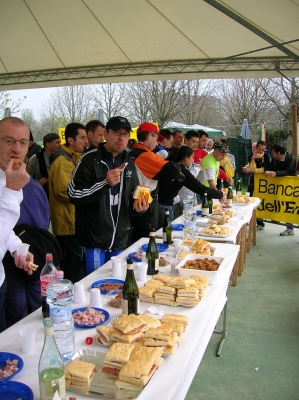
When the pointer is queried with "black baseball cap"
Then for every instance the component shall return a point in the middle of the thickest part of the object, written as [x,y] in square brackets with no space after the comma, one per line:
[115,123]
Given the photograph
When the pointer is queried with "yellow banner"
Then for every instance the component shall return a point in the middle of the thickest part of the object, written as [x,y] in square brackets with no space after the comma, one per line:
[279,198]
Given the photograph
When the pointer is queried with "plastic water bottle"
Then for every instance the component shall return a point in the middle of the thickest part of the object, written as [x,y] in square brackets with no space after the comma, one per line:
[46,277]
[189,216]
[59,298]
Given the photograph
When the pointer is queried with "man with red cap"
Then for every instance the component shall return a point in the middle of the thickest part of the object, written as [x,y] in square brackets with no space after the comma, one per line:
[150,169]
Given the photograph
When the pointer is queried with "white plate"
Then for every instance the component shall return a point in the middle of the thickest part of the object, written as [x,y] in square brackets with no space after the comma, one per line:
[200,233]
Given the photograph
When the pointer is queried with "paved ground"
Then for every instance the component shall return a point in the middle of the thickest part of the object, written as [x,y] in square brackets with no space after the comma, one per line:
[263,318]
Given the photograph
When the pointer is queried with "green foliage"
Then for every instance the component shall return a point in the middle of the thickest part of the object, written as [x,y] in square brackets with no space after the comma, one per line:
[275,136]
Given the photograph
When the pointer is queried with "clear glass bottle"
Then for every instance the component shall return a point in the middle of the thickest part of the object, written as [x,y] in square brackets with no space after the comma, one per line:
[46,276]
[167,229]
[50,367]
[130,295]
[60,296]
[152,255]
[205,205]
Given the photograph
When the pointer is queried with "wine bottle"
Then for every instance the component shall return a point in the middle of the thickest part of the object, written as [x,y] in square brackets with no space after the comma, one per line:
[130,298]
[50,367]
[210,206]
[229,196]
[239,188]
[205,206]
[221,185]
[167,229]
[152,255]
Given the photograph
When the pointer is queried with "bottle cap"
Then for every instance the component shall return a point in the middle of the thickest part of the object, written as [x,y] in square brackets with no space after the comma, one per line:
[49,256]
[59,274]
[129,261]
[152,233]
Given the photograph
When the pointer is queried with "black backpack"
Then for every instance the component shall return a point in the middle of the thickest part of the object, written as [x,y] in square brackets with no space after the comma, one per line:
[41,242]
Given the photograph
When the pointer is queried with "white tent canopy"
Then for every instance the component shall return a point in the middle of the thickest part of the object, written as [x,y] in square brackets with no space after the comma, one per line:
[67,42]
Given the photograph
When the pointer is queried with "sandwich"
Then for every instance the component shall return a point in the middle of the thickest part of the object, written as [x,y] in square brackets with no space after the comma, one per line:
[191,292]
[116,357]
[151,322]
[179,282]
[140,191]
[161,333]
[166,302]
[126,338]
[153,283]
[176,318]
[147,294]
[161,278]
[135,374]
[151,354]
[172,345]
[187,301]
[129,324]
[201,246]
[79,373]
[104,334]
[165,292]
[177,327]
[201,279]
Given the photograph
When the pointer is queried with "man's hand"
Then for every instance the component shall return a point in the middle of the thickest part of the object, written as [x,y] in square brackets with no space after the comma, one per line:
[113,176]
[141,204]
[16,175]
[229,180]
[246,169]
[270,174]
[20,263]
[43,181]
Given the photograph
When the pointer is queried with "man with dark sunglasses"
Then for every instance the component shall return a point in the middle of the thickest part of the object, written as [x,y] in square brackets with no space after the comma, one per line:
[101,190]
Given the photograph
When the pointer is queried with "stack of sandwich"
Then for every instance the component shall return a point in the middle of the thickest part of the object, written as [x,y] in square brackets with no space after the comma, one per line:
[143,363]
[127,329]
[178,323]
[78,374]
[164,336]
[174,291]
[117,356]
[200,246]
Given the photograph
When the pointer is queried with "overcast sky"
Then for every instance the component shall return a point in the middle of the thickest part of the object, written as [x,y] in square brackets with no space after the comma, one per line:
[34,99]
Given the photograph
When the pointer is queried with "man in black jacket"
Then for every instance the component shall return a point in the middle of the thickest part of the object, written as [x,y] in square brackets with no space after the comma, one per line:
[282,164]
[101,190]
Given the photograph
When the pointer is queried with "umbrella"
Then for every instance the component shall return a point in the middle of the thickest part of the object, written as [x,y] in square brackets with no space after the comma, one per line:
[101,115]
[7,112]
[245,132]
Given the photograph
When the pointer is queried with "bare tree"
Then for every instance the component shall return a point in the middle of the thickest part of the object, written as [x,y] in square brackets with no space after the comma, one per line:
[244,99]
[5,101]
[138,102]
[198,105]
[74,103]
[109,97]
[50,120]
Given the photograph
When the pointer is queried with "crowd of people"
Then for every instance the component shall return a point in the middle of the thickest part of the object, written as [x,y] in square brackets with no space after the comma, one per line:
[85,187]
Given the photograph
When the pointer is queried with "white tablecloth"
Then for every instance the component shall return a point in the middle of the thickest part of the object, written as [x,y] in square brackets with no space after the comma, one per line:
[174,376]
[242,216]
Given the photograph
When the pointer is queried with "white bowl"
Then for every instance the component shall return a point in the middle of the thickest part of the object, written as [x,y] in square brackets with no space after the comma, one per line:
[186,272]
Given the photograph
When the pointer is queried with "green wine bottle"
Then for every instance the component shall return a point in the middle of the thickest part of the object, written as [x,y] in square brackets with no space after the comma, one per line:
[229,196]
[205,205]
[50,367]
[239,188]
[221,185]
[130,300]
[152,255]
[167,229]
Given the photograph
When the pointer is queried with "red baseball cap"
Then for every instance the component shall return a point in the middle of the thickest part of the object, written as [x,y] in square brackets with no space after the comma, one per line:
[149,127]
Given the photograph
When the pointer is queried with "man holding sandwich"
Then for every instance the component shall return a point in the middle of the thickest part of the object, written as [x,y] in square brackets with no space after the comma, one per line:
[150,169]
[101,190]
